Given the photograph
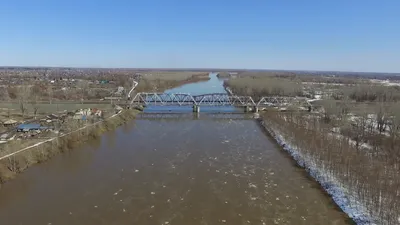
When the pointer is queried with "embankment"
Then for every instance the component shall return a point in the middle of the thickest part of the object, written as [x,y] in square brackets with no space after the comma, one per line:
[21,158]
[17,162]
[346,174]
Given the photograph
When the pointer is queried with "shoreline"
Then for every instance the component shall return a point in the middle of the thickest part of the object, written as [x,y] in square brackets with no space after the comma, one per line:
[330,186]
[17,162]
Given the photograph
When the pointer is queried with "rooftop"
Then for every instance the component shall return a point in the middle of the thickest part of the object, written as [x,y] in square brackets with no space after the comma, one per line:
[28,126]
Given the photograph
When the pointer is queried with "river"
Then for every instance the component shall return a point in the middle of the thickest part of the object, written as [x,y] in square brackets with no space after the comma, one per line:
[178,171]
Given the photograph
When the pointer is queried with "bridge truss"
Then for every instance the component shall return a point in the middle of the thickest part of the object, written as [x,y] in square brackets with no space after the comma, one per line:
[214,99]
[181,99]
[191,116]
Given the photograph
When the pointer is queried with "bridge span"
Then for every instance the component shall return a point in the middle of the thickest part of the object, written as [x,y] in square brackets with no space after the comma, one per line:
[170,116]
[213,99]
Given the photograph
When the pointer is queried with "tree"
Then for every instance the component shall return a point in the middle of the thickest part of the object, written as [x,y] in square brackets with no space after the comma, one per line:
[360,126]
[50,93]
[34,102]
[83,85]
[394,123]
[381,117]
[123,81]
[343,108]
[330,110]
[12,92]
[23,96]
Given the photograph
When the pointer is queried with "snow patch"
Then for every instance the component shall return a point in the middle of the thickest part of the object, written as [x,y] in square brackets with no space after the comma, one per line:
[333,187]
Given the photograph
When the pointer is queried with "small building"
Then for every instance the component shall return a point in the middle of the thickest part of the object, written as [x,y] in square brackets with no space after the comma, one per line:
[29,127]
[120,91]
[86,112]
[97,112]
[77,116]
[10,123]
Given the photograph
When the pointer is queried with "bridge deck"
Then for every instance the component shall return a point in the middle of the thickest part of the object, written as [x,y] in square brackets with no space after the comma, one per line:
[180,116]
[213,99]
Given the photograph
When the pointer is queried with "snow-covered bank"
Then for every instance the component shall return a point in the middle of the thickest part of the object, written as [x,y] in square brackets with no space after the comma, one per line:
[340,194]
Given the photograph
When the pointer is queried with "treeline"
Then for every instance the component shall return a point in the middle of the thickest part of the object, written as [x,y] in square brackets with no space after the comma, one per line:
[368,92]
[377,125]
[73,73]
[264,86]
[323,76]
[161,82]
[369,177]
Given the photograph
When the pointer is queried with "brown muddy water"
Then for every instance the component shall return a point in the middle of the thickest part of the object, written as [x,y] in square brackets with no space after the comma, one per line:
[170,171]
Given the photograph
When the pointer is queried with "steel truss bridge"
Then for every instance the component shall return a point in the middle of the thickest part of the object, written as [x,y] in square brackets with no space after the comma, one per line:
[214,99]
[191,116]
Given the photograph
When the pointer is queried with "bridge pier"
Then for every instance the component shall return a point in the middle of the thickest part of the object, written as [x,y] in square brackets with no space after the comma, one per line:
[196,109]
[248,109]
[251,109]
[196,116]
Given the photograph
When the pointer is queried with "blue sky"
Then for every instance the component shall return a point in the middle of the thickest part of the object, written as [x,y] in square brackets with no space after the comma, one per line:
[347,35]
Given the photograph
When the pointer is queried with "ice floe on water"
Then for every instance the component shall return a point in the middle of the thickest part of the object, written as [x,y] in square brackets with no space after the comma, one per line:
[116,193]
[251,185]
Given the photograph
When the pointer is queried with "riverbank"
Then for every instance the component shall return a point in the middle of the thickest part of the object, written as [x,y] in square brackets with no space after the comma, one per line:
[332,163]
[350,149]
[19,160]
[162,83]
[23,155]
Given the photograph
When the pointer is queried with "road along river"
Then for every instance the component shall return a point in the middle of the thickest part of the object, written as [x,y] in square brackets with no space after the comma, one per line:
[179,171]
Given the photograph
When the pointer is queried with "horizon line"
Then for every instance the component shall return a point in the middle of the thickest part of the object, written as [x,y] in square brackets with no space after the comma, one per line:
[195,69]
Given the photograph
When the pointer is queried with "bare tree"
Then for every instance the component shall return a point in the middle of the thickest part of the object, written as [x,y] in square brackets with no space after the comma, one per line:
[394,125]
[331,111]
[382,117]
[83,85]
[12,92]
[50,93]
[343,108]
[360,128]
[34,102]
[23,96]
